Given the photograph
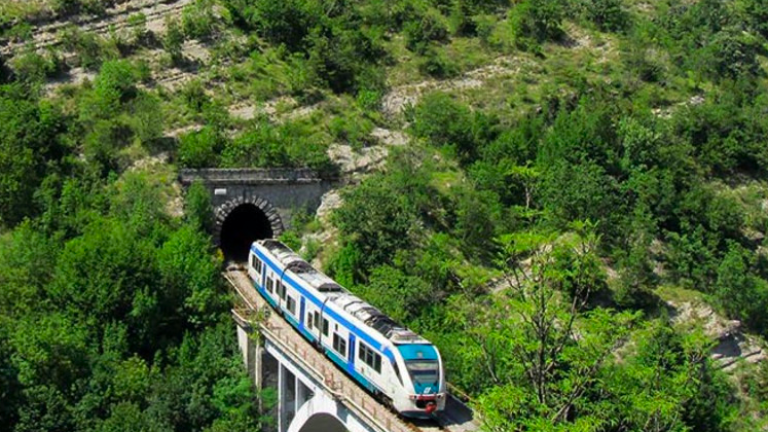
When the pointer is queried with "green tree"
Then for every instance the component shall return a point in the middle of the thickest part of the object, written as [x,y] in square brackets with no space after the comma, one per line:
[741,294]
[198,208]
[424,30]
[191,276]
[29,138]
[538,374]
[537,20]
[445,122]
[665,382]
[200,149]
[609,15]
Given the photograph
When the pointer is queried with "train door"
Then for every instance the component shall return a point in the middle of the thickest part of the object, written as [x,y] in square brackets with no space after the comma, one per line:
[302,310]
[351,353]
[255,269]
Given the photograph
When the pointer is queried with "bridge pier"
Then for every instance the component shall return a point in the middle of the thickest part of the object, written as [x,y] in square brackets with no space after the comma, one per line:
[303,404]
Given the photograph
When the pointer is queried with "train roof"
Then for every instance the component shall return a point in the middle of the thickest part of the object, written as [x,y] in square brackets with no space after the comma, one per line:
[301,268]
[377,320]
[352,304]
[283,253]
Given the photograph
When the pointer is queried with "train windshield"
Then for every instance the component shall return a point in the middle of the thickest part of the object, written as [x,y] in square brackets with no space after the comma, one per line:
[422,362]
[423,372]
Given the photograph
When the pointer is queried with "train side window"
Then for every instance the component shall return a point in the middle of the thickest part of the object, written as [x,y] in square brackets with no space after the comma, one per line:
[339,345]
[369,357]
[317,319]
[397,372]
[270,284]
[325,326]
[290,304]
[281,289]
[309,320]
[256,263]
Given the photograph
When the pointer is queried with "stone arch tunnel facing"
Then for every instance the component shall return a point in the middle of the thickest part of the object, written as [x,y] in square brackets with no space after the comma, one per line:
[240,223]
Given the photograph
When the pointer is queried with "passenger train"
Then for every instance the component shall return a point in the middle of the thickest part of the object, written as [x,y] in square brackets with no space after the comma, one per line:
[384,357]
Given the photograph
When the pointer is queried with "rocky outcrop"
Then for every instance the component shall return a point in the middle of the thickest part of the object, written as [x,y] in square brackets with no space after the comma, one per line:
[733,346]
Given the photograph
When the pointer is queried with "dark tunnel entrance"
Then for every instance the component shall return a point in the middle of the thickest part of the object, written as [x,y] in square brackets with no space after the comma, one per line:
[244,225]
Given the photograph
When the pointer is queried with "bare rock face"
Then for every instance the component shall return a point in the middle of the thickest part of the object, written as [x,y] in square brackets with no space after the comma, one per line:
[355,163]
[390,137]
[328,203]
[328,235]
[732,345]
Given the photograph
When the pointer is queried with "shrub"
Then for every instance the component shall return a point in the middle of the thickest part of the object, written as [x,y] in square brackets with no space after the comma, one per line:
[65,7]
[354,130]
[88,47]
[608,15]
[445,122]
[146,118]
[197,20]
[200,149]
[280,22]
[291,144]
[34,67]
[194,95]
[419,33]
[742,295]
[95,7]
[174,39]
[291,239]
[733,54]
[757,11]
[437,64]
[538,20]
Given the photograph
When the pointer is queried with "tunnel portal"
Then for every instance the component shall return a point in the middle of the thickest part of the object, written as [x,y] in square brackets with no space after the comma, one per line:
[243,220]
[244,225]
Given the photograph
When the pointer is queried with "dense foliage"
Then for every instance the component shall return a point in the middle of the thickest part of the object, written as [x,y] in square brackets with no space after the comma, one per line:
[112,314]
[597,156]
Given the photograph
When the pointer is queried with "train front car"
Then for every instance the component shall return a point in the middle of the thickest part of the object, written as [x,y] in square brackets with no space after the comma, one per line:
[424,390]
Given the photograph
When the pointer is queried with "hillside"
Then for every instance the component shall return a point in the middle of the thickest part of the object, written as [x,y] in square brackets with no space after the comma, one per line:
[567,196]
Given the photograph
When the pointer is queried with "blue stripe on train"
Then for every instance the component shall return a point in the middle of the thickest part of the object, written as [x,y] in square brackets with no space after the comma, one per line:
[264,294]
[290,319]
[357,376]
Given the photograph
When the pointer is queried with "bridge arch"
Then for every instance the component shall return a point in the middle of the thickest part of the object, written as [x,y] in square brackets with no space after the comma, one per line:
[242,220]
[323,422]
[323,413]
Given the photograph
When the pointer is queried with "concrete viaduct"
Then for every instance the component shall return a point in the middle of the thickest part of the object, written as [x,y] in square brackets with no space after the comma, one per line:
[250,204]
[313,394]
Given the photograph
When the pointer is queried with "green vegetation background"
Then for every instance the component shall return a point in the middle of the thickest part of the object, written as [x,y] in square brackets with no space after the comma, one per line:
[580,186]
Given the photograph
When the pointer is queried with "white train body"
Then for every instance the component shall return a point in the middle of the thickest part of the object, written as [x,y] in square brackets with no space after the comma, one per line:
[380,355]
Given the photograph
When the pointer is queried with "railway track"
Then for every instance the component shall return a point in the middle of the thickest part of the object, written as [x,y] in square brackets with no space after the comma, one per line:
[456,418]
